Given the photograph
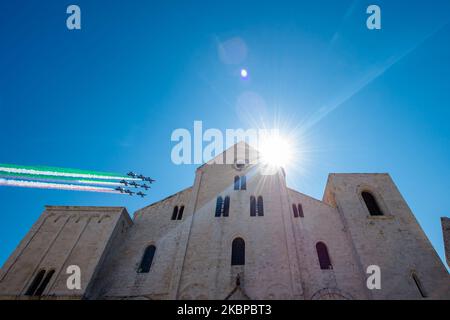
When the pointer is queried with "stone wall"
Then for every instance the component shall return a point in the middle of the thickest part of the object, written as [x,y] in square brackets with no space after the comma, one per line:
[193,254]
[446,235]
[61,237]
[207,271]
[394,241]
[322,223]
[152,225]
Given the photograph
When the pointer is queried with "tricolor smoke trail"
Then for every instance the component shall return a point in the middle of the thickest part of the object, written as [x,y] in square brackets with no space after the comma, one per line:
[60,172]
[58,179]
[46,185]
[44,177]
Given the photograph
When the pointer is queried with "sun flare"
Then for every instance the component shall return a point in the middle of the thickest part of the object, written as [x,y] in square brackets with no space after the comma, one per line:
[276,150]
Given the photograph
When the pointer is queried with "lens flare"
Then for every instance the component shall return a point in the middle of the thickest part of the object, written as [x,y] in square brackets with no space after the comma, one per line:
[275,150]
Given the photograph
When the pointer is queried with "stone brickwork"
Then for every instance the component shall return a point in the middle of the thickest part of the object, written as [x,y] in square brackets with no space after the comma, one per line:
[63,236]
[394,241]
[152,226]
[446,234]
[193,255]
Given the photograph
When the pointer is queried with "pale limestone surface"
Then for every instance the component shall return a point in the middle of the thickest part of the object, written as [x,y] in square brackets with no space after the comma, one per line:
[193,255]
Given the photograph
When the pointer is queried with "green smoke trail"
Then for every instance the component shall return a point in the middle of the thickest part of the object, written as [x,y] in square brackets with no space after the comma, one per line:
[60,172]
[64,179]
[59,186]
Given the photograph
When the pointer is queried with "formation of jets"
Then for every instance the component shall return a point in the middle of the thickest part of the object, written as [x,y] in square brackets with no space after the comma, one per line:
[140,176]
[135,184]
[122,190]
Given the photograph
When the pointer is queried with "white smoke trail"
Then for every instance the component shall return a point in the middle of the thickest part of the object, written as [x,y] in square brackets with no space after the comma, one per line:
[51,179]
[105,183]
[46,185]
[62,174]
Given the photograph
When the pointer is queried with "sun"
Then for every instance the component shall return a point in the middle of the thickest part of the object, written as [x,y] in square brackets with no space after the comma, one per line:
[275,150]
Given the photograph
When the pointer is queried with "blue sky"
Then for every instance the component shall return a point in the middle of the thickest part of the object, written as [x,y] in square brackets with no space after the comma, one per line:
[107,97]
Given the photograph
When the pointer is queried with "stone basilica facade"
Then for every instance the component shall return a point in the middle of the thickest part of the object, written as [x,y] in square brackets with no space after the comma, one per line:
[235,234]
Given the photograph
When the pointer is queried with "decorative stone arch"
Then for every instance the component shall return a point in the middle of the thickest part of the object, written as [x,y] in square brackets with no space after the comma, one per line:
[105,217]
[235,235]
[78,219]
[55,217]
[331,294]
[90,218]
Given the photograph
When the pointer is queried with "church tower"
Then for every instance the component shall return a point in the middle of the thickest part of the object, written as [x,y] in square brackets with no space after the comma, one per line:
[240,232]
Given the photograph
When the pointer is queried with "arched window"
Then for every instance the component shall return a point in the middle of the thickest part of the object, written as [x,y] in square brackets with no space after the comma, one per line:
[240,183]
[243,183]
[44,283]
[252,206]
[226,206]
[147,259]
[222,206]
[238,252]
[180,213]
[236,183]
[419,285]
[219,205]
[175,213]
[35,284]
[371,203]
[324,258]
[260,206]
[300,210]
[294,208]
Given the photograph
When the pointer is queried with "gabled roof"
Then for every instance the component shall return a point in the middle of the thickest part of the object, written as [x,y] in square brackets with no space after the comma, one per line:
[241,148]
